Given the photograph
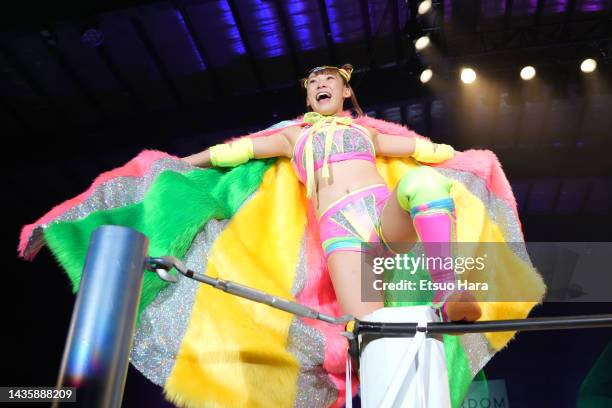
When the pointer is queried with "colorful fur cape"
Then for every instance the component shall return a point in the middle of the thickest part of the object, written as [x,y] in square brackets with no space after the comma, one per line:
[253,224]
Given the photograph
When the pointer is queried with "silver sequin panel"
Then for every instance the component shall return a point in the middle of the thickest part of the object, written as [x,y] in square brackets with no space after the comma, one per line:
[301,273]
[307,344]
[118,192]
[478,351]
[314,388]
[476,345]
[163,323]
[352,141]
[499,211]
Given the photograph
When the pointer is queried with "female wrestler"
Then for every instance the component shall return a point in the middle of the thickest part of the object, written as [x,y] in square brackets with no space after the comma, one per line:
[277,359]
[335,159]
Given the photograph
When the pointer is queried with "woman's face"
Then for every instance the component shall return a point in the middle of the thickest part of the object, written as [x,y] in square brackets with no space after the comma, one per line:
[325,93]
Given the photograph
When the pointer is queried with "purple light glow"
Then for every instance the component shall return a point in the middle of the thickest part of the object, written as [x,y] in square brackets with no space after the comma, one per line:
[589,6]
[268,29]
[231,30]
[300,23]
[197,54]
[92,37]
[344,20]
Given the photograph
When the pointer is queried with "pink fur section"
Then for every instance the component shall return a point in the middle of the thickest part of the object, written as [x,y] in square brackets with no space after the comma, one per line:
[319,294]
[136,167]
[484,164]
[481,163]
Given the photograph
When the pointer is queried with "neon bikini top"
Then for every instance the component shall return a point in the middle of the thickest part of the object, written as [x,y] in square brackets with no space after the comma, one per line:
[330,139]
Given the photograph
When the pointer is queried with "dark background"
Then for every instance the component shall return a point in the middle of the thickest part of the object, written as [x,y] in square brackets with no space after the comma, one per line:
[85,85]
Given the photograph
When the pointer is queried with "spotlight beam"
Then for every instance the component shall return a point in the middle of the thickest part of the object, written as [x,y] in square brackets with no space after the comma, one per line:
[422,42]
[424,7]
[426,76]
[588,65]
[528,73]
[468,75]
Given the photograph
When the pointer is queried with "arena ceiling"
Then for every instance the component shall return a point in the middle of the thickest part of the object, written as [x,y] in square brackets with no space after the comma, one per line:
[84,85]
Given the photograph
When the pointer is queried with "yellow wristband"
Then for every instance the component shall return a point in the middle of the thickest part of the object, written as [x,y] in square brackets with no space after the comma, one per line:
[426,152]
[232,154]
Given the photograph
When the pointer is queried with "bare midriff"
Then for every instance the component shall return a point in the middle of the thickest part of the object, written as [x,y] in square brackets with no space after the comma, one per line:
[345,177]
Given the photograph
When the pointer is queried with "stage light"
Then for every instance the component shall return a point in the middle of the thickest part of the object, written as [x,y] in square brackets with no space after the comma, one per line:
[468,75]
[528,72]
[421,43]
[426,75]
[92,37]
[424,7]
[588,65]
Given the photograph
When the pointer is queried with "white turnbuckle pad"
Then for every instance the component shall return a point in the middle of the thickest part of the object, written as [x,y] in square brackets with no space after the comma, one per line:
[404,371]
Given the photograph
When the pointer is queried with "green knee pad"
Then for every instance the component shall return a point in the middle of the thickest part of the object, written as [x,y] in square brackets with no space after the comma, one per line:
[422,185]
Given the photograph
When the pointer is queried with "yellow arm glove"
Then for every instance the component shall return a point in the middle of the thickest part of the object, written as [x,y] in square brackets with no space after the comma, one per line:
[232,154]
[428,152]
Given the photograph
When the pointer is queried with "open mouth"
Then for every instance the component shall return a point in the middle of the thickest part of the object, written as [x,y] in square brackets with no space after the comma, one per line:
[323,96]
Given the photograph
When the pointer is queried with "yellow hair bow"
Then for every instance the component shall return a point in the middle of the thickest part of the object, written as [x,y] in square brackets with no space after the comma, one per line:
[345,73]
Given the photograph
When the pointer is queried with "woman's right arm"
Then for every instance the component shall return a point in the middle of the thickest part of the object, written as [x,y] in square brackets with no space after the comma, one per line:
[201,159]
[276,145]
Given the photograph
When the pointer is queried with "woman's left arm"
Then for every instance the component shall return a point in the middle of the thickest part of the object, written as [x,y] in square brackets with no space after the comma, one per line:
[418,148]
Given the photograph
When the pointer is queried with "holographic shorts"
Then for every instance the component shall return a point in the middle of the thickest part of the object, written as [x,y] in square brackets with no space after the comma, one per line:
[353,222]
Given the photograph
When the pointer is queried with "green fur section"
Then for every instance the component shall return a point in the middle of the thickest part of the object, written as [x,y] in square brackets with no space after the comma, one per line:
[459,370]
[174,209]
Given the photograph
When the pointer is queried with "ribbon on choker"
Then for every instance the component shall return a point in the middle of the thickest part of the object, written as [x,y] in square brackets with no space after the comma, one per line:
[318,121]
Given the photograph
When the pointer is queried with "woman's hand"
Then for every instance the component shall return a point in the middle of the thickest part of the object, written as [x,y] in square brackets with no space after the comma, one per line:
[201,159]
[428,152]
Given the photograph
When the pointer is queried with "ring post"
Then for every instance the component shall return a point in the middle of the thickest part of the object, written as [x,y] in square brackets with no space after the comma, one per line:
[97,350]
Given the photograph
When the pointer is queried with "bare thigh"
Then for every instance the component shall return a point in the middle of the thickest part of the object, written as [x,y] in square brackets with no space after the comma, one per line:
[397,227]
[345,272]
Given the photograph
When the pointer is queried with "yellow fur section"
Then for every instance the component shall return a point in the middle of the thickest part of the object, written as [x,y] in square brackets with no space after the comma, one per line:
[510,279]
[234,351]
